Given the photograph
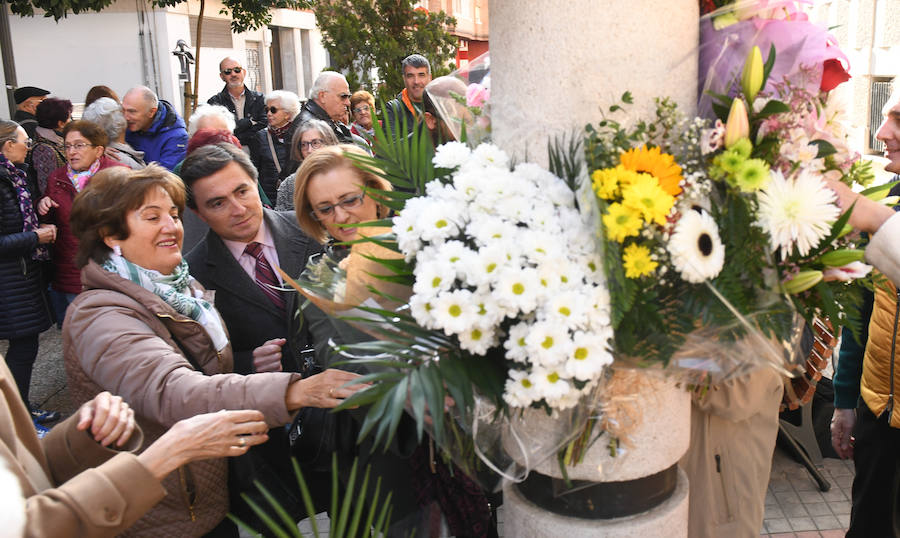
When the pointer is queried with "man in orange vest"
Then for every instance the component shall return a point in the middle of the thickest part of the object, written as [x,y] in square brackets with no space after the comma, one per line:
[406,110]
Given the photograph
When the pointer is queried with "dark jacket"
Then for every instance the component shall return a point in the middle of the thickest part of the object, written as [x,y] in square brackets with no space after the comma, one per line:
[23,303]
[254,118]
[28,121]
[399,120]
[66,276]
[165,141]
[264,161]
[312,111]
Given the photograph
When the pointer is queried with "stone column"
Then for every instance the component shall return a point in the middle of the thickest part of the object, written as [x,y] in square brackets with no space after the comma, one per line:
[555,64]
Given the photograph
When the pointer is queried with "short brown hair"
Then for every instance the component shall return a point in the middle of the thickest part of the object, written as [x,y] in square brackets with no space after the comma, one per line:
[101,209]
[88,129]
[362,96]
[323,161]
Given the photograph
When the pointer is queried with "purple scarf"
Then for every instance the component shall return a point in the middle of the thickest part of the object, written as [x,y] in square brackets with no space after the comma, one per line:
[26,206]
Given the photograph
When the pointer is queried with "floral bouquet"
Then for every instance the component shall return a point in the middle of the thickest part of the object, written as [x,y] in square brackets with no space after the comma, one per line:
[715,235]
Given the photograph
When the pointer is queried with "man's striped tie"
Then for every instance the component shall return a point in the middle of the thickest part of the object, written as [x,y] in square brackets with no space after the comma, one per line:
[265,275]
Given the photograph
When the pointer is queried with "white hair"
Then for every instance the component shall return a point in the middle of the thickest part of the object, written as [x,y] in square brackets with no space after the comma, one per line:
[323,81]
[209,111]
[106,113]
[289,101]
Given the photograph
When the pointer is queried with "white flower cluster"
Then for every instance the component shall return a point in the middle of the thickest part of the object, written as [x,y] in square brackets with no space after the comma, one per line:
[503,258]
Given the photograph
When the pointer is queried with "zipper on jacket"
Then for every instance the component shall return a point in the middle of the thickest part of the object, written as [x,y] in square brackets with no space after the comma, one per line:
[725,493]
[188,494]
[890,403]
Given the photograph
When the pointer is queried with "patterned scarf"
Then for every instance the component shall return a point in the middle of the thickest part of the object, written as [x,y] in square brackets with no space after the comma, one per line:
[80,179]
[279,132]
[26,206]
[175,290]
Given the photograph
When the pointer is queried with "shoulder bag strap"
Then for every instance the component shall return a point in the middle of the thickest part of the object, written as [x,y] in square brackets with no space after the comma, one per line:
[272,149]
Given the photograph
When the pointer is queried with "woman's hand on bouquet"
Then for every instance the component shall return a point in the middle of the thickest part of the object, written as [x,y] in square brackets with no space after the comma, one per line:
[842,423]
[212,435]
[109,418]
[267,357]
[327,389]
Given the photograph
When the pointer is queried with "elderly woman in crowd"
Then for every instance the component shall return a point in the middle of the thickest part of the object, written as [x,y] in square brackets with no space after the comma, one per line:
[310,136]
[47,152]
[85,145]
[24,312]
[146,328]
[108,114]
[211,117]
[271,152]
[362,106]
[330,195]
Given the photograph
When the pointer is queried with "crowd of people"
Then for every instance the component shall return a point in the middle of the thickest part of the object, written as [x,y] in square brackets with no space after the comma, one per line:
[154,245]
[170,315]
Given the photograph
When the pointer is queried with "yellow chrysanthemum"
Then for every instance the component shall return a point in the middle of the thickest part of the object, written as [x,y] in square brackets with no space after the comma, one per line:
[649,199]
[660,165]
[637,261]
[621,222]
[608,182]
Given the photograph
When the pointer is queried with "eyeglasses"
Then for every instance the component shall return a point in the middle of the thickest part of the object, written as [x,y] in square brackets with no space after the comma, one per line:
[361,108]
[230,69]
[326,211]
[272,110]
[315,143]
[77,146]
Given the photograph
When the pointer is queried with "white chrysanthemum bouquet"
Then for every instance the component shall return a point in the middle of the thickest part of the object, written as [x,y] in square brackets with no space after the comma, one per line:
[504,261]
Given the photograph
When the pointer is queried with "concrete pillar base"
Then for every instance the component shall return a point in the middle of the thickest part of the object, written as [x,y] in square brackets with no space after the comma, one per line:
[523,519]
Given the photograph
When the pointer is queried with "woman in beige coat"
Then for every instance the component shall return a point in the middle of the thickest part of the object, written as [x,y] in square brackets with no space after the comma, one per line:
[145,329]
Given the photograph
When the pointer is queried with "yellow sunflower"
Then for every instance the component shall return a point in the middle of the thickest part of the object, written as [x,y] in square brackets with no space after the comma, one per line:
[660,165]
[637,261]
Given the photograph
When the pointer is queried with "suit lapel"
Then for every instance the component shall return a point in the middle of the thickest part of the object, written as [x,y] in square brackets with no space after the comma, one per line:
[226,273]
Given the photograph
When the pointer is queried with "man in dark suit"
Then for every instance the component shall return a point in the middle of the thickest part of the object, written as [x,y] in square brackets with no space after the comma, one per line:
[237,259]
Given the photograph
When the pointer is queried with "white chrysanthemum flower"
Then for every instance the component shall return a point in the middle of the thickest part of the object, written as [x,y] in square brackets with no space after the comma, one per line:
[490,314]
[451,155]
[488,230]
[515,344]
[519,390]
[590,354]
[550,383]
[454,311]
[796,211]
[482,269]
[489,156]
[514,208]
[539,246]
[468,184]
[478,339]
[567,400]
[447,193]
[456,256]
[543,217]
[567,308]
[695,247]
[442,221]
[517,289]
[432,277]
[549,344]
[420,307]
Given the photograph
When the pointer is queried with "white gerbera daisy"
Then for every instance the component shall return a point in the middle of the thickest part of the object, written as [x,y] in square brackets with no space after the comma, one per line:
[796,211]
[695,247]
[451,155]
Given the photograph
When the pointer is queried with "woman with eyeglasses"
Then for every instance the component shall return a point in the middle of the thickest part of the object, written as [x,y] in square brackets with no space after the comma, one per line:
[312,135]
[85,145]
[24,309]
[270,151]
[362,106]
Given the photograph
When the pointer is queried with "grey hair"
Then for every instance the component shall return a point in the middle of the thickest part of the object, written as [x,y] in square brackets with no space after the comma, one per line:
[149,95]
[106,113]
[311,125]
[323,81]
[289,101]
[207,111]
[415,60]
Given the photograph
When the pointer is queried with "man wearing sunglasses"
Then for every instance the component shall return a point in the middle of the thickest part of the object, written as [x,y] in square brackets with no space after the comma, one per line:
[248,106]
[329,101]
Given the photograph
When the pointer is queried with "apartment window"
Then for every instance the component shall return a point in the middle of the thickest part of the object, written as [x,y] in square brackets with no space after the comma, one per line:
[880,93]
[253,79]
